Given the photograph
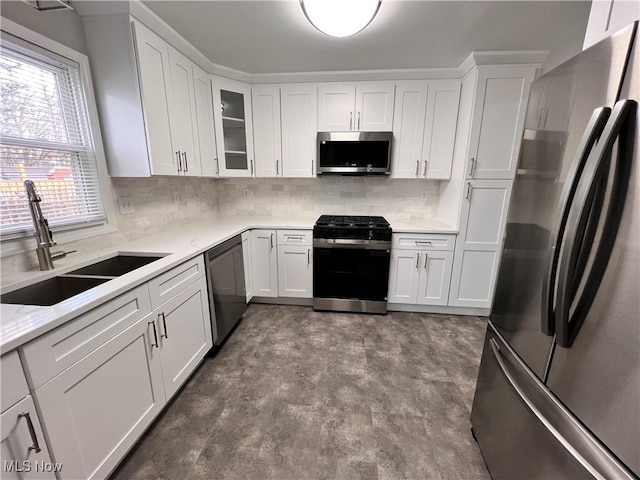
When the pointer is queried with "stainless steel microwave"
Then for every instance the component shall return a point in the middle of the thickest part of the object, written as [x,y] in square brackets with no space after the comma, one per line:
[354,153]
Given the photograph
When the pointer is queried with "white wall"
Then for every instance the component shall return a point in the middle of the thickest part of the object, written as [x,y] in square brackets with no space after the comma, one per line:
[63,26]
[404,199]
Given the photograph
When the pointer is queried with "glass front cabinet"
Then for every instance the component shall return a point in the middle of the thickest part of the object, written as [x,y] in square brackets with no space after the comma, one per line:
[232,104]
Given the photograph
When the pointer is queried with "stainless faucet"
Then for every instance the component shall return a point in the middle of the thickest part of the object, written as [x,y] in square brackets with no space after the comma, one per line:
[43,233]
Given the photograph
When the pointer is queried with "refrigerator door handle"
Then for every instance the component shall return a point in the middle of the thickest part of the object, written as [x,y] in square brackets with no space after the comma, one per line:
[591,134]
[601,464]
[581,224]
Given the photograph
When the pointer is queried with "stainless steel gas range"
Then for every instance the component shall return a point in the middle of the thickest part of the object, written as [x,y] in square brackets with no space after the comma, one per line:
[351,263]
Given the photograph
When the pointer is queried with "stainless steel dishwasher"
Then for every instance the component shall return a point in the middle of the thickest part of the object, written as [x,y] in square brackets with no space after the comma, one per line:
[227,291]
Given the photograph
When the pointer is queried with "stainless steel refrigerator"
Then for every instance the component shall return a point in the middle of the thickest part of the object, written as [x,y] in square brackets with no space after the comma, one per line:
[558,391]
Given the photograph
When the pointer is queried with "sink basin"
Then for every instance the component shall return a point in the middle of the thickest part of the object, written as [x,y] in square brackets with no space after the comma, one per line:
[115,266]
[52,291]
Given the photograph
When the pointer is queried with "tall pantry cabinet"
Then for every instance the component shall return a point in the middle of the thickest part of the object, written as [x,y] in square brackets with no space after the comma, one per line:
[497,114]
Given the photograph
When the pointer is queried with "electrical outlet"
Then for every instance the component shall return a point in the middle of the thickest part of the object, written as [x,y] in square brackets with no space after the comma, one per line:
[424,197]
[246,193]
[125,204]
[176,197]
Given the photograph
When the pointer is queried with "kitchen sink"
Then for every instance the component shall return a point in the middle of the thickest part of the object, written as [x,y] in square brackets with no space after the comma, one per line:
[115,266]
[52,291]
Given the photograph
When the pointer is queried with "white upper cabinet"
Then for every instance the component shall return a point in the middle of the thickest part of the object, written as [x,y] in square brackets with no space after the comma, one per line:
[204,122]
[424,128]
[443,99]
[607,17]
[267,137]
[497,122]
[154,72]
[234,128]
[366,107]
[299,108]
[182,114]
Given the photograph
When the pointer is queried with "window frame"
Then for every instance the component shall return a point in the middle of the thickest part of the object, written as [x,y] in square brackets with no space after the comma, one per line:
[20,243]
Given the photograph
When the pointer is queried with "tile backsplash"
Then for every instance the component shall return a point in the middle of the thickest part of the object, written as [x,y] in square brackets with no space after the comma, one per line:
[155,210]
[405,199]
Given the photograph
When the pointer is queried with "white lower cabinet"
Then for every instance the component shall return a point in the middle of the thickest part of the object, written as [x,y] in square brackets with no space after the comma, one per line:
[95,410]
[264,263]
[477,257]
[295,271]
[118,366]
[420,277]
[23,450]
[184,334]
[248,267]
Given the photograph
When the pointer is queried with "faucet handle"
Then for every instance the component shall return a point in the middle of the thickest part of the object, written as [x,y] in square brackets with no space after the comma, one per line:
[61,254]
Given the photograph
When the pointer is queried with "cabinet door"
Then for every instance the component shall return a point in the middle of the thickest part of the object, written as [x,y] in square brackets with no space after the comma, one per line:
[248,267]
[264,263]
[479,244]
[443,99]
[299,128]
[435,277]
[374,107]
[96,409]
[498,119]
[182,114]
[18,456]
[336,108]
[267,139]
[403,276]
[295,271]
[205,125]
[184,328]
[408,129]
[234,128]
[155,87]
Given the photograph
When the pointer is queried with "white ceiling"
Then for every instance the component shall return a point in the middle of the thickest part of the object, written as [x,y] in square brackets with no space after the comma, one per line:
[274,36]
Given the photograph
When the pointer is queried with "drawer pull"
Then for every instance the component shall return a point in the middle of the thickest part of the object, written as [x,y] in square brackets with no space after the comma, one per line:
[426,242]
[32,432]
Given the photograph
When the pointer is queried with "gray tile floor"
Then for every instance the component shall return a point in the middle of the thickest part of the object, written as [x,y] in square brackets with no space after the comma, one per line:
[298,394]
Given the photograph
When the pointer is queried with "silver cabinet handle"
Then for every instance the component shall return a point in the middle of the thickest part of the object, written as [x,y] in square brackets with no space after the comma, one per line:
[358,120]
[419,242]
[312,170]
[277,167]
[308,256]
[546,114]
[472,167]
[350,120]
[417,260]
[425,260]
[294,237]
[424,174]
[217,167]
[251,163]
[155,334]
[467,195]
[186,165]
[35,445]
[271,241]
[179,161]
[164,322]
[417,167]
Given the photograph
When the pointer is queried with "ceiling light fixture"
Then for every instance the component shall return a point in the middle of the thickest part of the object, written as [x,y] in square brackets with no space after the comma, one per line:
[340,18]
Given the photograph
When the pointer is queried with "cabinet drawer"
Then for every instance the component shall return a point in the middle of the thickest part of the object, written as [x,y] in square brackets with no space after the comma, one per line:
[423,241]
[12,382]
[52,353]
[165,286]
[294,237]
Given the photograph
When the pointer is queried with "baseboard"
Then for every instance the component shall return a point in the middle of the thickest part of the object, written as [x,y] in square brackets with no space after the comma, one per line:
[400,307]
[303,302]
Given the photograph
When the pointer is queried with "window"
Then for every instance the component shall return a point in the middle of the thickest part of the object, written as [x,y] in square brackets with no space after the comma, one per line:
[46,137]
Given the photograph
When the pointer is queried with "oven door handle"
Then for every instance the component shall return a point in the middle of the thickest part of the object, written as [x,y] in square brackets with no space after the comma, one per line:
[352,244]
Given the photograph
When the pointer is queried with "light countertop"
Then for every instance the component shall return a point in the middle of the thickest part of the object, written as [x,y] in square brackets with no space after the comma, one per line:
[21,323]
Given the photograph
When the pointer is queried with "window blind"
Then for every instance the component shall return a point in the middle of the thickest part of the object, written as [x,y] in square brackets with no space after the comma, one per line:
[45,137]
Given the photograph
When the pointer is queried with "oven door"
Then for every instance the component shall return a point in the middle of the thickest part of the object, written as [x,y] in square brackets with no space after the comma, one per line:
[350,277]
